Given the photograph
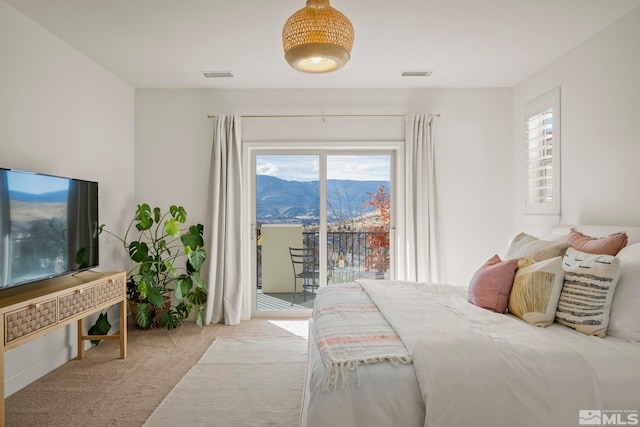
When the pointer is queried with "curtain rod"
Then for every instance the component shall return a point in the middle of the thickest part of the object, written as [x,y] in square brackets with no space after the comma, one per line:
[316,115]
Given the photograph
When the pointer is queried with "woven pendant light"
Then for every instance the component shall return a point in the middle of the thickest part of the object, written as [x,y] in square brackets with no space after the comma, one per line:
[317,38]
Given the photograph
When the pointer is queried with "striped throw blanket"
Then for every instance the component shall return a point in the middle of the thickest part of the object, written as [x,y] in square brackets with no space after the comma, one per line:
[351,331]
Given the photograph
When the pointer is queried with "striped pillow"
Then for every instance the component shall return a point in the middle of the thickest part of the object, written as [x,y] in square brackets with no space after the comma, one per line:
[589,284]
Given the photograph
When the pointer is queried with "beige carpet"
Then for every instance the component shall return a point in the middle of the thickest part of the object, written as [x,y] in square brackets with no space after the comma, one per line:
[103,390]
[239,382]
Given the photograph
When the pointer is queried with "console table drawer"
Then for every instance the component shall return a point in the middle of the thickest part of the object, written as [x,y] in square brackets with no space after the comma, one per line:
[29,319]
[76,303]
[109,290]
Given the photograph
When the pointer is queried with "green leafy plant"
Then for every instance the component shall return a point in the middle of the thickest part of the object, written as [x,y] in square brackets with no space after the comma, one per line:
[164,282]
[101,327]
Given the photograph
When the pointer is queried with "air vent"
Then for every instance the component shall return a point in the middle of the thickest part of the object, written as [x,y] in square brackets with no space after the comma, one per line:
[217,74]
[416,73]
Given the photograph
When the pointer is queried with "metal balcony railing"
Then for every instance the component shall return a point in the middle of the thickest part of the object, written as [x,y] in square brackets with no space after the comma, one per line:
[363,251]
[365,255]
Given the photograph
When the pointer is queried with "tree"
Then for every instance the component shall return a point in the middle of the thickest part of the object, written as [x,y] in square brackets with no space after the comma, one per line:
[377,258]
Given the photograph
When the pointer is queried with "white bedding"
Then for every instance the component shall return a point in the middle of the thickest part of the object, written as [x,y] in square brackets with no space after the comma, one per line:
[388,396]
[473,367]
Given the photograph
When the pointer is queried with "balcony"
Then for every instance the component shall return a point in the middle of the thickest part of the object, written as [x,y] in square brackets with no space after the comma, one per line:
[352,255]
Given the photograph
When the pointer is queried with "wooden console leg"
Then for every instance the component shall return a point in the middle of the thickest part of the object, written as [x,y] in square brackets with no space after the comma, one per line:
[123,329]
[80,340]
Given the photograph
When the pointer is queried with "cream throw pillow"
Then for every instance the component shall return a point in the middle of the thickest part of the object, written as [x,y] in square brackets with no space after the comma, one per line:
[536,290]
[589,284]
[526,246]
[624,321]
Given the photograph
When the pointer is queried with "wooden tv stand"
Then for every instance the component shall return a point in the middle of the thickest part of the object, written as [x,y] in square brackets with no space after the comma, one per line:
[30,311]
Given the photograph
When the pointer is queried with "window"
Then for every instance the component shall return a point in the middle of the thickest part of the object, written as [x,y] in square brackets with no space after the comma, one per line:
[543,154]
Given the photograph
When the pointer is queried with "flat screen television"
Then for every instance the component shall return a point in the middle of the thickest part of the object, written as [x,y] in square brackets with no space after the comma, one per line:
[48,226]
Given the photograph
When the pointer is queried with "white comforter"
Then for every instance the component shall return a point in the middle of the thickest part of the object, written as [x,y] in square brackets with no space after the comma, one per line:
[478,368]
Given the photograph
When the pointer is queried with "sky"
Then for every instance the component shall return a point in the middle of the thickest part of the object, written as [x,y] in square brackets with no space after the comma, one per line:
[305,167]
[35,184]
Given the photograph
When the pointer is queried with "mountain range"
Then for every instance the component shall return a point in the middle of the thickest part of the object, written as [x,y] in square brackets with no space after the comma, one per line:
[280,201]
[50,197]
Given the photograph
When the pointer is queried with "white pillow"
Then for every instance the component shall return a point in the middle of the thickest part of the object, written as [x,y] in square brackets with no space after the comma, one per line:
[624,321]
[589,284]
[536,290]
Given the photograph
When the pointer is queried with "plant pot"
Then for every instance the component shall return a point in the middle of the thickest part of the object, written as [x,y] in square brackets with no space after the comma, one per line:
[133,308]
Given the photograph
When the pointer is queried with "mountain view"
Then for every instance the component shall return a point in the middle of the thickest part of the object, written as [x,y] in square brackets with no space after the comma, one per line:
[27,207]
[50,197]
[280,201]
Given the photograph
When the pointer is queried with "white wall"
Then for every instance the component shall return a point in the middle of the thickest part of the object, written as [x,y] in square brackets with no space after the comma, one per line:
[61,114]
[600,108]
[473,144]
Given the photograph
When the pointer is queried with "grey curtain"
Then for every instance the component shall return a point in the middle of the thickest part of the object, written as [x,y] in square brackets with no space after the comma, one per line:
[223,269]
[423,258]
[81,225]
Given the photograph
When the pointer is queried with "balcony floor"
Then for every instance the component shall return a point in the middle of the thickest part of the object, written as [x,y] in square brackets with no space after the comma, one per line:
[282,301]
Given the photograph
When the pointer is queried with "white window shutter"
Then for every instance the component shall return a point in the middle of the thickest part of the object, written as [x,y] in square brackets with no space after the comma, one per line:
[543,154]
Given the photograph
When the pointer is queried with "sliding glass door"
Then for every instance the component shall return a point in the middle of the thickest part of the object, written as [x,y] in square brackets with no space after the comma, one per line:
[358,217]
[335,208]
[287,215]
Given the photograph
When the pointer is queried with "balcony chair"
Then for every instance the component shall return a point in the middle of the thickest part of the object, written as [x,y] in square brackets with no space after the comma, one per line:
[303,261]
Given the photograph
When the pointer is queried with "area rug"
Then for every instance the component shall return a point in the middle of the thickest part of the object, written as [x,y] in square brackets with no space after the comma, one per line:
[239,382]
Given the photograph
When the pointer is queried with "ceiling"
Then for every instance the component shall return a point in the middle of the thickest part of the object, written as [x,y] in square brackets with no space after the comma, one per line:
[466,43]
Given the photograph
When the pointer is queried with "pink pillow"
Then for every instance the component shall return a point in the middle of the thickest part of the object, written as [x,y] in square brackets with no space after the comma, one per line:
[610,245]
[491,285]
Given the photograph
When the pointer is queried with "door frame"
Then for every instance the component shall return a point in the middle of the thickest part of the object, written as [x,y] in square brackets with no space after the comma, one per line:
[322,148]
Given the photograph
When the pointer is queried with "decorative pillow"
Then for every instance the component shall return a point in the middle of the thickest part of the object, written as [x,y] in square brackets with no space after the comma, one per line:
[524,245]
[490,285]
[610,245]
[589,284]
[536,290]
[624,321]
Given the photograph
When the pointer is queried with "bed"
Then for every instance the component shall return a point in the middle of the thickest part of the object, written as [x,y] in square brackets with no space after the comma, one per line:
[439,360]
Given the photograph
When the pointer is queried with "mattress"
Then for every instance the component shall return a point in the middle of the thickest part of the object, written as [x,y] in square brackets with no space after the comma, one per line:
[587,373]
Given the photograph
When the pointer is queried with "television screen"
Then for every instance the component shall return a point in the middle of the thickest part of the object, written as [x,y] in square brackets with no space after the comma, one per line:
[48,226]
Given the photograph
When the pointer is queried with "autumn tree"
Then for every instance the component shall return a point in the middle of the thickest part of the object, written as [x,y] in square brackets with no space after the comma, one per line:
[377,258]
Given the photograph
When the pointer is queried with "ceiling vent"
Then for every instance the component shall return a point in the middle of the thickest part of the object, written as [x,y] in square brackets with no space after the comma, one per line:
[217,74]
[416,73]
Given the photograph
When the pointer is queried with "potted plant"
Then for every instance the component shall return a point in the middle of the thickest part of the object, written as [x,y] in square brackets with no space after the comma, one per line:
[164,283]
